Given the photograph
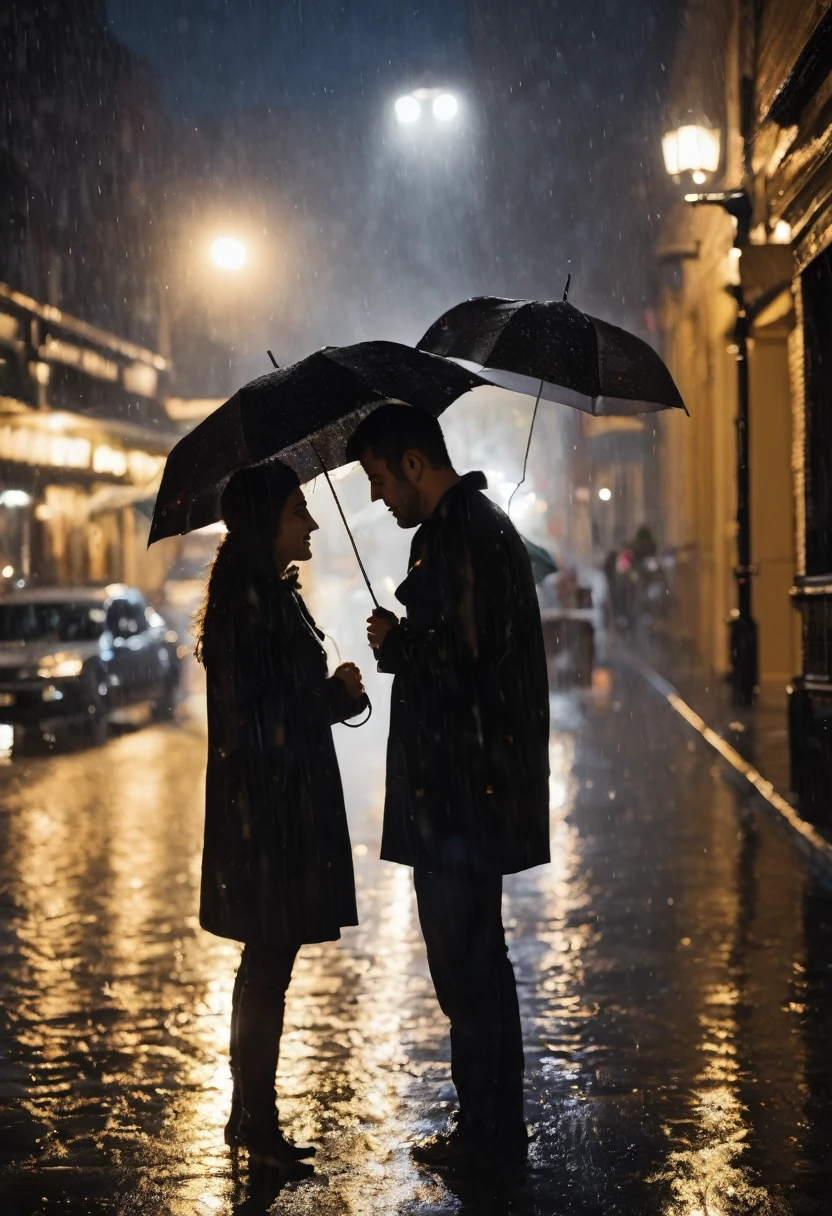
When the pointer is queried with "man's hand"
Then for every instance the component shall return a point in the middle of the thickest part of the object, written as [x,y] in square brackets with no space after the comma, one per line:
[379,625]
[350,677]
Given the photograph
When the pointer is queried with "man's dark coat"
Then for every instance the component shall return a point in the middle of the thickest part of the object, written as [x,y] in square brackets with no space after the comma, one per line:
[277,861]
[467,757]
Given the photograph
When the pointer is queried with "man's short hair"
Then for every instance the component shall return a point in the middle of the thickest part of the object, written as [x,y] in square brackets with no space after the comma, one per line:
[392,430]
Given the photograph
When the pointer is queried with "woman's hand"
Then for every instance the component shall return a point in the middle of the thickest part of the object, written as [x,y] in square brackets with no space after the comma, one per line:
[350,677]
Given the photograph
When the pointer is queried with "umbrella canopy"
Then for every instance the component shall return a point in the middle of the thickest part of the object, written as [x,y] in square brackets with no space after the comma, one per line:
[304,414]
[552,350]
[543,564]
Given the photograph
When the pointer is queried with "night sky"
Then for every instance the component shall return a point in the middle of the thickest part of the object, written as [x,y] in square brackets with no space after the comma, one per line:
[212,54]
[555,168]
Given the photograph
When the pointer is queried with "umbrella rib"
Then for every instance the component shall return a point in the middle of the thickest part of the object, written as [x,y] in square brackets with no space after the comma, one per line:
[346,525]
[528,445]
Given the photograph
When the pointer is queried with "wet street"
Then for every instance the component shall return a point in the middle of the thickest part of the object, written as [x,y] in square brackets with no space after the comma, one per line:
[674,966]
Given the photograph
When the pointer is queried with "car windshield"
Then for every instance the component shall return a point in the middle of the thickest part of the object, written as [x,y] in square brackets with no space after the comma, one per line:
[50,622]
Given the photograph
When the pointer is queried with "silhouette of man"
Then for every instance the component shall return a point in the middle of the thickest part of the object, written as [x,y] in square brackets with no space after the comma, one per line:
[467,796]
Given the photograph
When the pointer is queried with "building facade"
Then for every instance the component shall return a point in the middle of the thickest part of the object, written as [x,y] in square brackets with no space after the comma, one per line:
[83,439]
[755,81]
[83,430]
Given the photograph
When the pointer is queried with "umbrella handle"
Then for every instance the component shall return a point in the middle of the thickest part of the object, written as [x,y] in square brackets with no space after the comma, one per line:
[364,721]
[346,525]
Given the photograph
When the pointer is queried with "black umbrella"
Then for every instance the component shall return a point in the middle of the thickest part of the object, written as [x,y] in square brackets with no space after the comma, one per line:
[304,414]
[552,350]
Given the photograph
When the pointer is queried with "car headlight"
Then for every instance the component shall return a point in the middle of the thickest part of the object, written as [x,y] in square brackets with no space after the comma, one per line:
[61,666]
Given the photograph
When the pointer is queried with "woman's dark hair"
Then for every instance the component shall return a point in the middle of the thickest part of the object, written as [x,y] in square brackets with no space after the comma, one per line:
[392,430]
[251,504]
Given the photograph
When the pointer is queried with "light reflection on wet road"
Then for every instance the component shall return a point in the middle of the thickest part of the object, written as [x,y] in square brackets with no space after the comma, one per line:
[673,965]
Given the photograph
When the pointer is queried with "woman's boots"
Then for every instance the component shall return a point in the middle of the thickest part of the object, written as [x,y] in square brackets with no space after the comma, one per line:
[242,1130]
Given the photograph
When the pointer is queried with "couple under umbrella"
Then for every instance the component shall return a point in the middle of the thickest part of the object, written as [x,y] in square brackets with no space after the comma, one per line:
[467,758]
[467,770]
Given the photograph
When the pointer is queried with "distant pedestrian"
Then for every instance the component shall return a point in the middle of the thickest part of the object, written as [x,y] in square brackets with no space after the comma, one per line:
[644,545]
[467,763]
[610,562]
[277,862]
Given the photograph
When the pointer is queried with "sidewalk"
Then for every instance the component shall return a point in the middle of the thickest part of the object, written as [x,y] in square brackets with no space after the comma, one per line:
[757,736]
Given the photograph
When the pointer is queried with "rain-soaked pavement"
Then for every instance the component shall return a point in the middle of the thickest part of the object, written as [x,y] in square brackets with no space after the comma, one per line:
[674,966]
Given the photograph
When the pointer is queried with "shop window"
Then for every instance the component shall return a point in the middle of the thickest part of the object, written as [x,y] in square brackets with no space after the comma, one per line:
[817,311]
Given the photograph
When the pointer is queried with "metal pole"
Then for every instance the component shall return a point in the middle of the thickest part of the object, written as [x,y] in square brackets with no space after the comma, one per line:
[340,510]
[742,626]
[346,525]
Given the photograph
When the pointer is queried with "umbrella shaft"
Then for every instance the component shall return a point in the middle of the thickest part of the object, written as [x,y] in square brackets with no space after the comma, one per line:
[346,525]
[528,445]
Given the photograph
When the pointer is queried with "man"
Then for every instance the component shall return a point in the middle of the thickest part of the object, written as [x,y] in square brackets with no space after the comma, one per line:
[467,761]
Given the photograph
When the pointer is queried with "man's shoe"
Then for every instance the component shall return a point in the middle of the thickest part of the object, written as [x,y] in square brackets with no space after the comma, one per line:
[464,1152]
[442,1150]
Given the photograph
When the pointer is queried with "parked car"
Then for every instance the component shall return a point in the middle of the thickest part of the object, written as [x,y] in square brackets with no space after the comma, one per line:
[78,659]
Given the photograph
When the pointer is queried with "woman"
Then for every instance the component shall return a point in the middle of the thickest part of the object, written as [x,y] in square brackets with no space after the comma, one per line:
[277,863]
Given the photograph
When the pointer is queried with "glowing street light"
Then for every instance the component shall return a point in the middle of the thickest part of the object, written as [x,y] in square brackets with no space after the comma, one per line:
[229,253]
[445,107]
[692,148]
[408,109]
[605,494]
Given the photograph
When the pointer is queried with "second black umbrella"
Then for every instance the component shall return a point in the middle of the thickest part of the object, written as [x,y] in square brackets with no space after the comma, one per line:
[549,349]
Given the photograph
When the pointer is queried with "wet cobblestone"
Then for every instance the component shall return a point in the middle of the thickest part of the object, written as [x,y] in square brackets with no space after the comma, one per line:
[673,965]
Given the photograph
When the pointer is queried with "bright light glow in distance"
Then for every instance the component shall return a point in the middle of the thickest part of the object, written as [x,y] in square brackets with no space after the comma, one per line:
[522,504]
[229,253]
[15,498]
[604,494]
[699,177]
[8,571]
[445,107]
[407,109]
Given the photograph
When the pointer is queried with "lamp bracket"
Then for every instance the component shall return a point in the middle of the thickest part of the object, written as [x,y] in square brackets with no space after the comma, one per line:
[736,202]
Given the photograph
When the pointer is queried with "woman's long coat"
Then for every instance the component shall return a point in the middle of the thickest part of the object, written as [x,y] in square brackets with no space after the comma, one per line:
[277,861]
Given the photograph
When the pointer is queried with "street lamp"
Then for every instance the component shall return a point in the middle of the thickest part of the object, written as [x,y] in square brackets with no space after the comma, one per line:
[444,106]
[691,148]
[408,110]
[229,253]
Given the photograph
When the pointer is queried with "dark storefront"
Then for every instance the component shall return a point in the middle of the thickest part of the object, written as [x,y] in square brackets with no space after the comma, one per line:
[795,95]
[811,697]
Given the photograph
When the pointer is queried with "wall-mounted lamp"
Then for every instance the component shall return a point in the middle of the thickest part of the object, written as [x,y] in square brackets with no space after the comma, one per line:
[691,148]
